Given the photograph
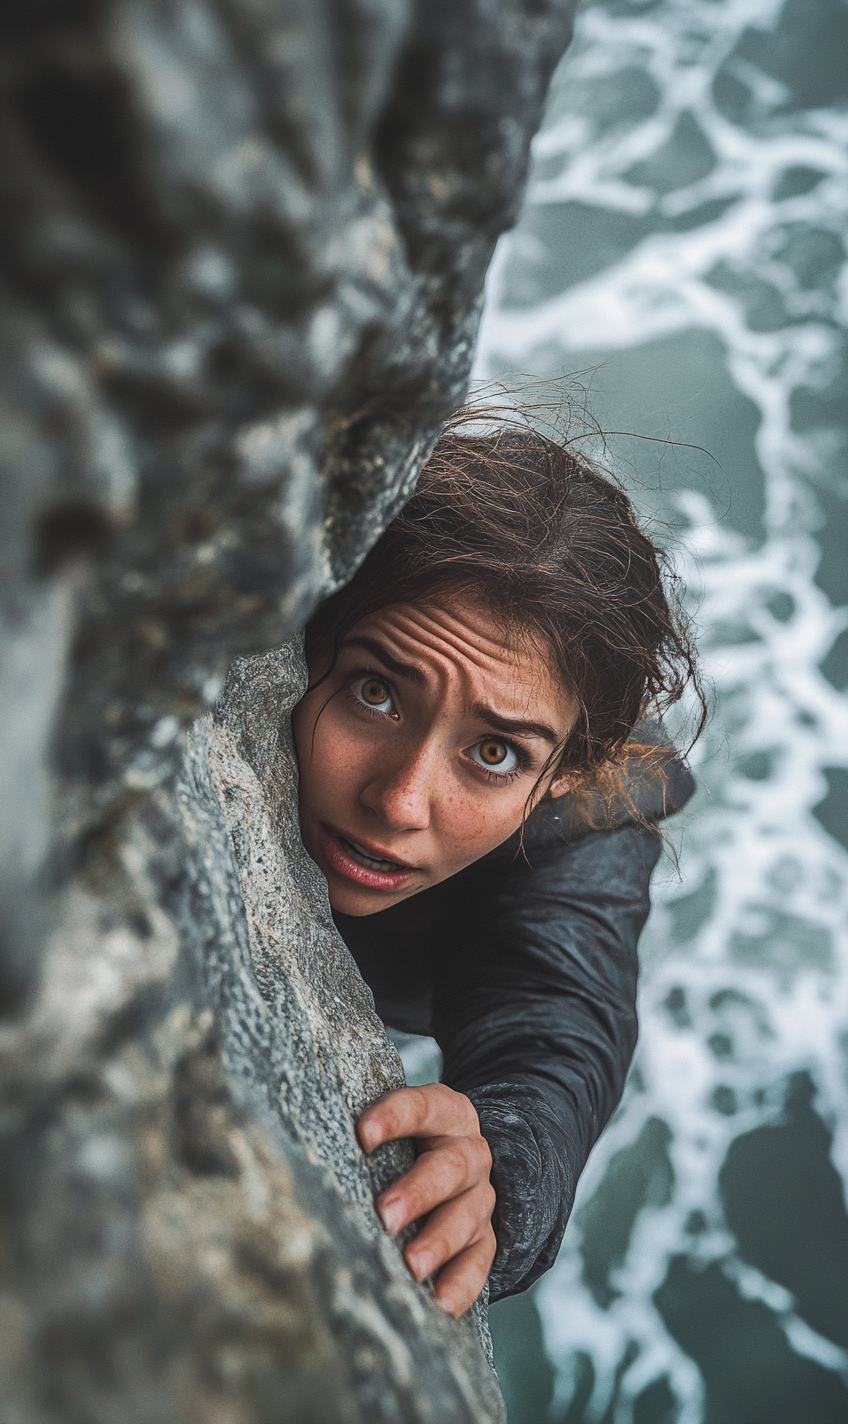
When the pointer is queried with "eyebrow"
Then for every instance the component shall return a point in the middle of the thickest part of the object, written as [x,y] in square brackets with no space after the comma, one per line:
[517,726]
[514,726]
[405,670]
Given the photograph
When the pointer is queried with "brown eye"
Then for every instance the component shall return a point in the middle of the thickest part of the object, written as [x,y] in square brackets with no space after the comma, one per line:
[494,755]
[373,692]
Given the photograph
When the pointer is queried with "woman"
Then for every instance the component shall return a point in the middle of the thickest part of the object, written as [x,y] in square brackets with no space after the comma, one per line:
[480,786]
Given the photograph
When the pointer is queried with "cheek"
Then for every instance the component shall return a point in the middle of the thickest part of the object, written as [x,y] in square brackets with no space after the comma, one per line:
[329,760]
[474,824]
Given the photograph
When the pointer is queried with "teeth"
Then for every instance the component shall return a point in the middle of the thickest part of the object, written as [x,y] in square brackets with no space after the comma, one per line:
[385,867]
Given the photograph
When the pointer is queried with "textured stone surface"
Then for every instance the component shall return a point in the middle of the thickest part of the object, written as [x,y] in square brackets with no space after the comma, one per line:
[242,247]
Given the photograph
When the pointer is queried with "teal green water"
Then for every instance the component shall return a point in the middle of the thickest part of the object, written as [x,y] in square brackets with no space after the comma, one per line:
[682,247]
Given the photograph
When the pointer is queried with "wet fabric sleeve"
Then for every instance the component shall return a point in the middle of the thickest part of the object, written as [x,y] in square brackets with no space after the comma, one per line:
[536,1019]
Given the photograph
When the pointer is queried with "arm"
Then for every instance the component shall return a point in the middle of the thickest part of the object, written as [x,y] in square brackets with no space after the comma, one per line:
[534,1007]
[537,1022]
[525,971]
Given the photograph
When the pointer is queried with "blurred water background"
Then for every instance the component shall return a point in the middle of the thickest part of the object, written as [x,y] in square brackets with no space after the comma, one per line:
[682,248]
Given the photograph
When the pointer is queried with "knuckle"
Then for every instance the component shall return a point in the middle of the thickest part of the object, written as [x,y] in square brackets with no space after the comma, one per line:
[403,1112]
[484,1153]
[465,1108]
[419,1105]
[455,1157]
[459,1108]
[469,1114]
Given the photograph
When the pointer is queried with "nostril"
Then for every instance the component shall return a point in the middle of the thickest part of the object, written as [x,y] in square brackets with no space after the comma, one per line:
[68,531]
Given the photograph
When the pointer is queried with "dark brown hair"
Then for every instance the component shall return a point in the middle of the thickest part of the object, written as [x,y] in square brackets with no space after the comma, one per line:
[523,524]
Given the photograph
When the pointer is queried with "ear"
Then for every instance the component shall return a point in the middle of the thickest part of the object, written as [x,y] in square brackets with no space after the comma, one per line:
[559,787]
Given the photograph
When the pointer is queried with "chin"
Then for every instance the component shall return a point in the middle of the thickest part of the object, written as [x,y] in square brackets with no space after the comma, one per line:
[349,900]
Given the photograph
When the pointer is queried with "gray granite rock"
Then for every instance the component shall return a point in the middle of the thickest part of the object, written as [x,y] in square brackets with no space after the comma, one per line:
[242,249]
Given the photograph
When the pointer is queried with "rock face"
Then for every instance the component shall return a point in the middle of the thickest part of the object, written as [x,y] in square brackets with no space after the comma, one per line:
[243,245]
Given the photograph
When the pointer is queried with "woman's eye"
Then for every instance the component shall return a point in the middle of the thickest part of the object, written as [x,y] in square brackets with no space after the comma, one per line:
[374,693]
[494,755]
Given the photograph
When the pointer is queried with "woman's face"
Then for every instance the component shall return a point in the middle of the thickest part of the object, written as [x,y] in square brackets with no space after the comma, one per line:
[431,738]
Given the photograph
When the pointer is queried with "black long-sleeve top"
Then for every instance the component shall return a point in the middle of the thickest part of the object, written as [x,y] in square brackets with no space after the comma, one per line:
[523,968]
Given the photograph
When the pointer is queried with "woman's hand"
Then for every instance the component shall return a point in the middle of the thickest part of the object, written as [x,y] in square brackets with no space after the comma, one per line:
[449,1185]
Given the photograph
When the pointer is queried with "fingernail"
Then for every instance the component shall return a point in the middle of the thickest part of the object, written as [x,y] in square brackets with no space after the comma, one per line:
[444,1303]
[420,1263]
[391,1215]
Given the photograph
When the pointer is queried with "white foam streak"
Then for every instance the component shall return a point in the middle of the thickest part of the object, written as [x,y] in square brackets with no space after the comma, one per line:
[777,933]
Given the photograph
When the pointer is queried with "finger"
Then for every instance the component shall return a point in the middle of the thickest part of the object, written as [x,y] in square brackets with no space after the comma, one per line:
[460,1282]
[399,1114]
[449,1230]
[432,1111]
[442,1172]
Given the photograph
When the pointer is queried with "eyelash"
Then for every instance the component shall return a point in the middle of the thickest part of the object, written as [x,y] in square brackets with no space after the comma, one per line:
[502,777]
[356,676]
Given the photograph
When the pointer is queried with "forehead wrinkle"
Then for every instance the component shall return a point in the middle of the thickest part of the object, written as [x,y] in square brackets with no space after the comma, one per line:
[449,652]
[528,675]
[426,663]
[522,654]
[451,659]
[372,645]
[457,641]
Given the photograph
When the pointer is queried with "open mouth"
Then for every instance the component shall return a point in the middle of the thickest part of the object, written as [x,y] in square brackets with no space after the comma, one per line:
[356,852]
[358,862]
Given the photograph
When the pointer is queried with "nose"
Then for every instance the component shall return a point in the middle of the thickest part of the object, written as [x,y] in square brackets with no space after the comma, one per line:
[401,793]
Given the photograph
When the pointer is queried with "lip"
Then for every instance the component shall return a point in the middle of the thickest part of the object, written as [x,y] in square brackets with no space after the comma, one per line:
[343,864]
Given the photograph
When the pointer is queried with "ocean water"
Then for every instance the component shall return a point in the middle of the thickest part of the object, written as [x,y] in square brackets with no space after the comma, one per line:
[682,251]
